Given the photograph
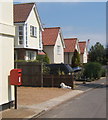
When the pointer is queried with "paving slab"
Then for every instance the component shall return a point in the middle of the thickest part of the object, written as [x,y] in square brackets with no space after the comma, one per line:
[20,113]
[55,101]
[29,111]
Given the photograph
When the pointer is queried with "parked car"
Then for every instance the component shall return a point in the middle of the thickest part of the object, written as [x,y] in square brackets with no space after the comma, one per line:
[59,69]
[76,69]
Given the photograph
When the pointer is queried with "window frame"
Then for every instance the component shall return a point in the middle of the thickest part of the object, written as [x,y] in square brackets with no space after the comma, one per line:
[33,31]
[20,41]
[58,50]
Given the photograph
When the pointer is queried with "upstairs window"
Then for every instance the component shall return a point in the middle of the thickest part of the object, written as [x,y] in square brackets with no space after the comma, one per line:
[58,50]
[33,31]
[21,34]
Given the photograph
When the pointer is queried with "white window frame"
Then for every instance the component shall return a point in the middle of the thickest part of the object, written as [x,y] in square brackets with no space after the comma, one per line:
[58,49]
[21,41]
[33,31]
[31,55]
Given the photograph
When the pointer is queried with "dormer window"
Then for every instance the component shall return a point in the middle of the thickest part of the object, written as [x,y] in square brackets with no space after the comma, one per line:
[33,31]
[21,34]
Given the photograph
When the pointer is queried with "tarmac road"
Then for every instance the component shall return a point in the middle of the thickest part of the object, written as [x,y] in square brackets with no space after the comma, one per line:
[91,104]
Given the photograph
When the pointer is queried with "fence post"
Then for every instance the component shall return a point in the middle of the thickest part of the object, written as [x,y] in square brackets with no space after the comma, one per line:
[15,65]
[41,74]
[72,81]
[52,80]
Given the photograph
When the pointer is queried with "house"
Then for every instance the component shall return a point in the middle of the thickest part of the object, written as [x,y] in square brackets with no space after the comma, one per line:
[7,33]
[71,45]
[83,51]
[28,39]
[53,44]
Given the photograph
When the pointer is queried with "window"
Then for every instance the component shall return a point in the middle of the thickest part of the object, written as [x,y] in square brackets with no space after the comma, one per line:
[58,50]
[40,39]
[31,55]
[26,35]
[21,35]
[33,31]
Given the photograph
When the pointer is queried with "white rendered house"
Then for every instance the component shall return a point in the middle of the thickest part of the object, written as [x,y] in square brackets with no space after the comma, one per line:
[53,44]
[28,39]
[71,45]
[83,51]
[7,33]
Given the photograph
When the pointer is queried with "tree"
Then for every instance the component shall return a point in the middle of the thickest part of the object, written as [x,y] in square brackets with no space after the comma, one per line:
[93,70]
[75,59]
[96,53]
[43,58]
[106,55]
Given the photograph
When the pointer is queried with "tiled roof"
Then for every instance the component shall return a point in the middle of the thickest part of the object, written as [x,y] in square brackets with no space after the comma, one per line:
[70,44]
[41,53]
[82,46]
[49,35]
[22,11]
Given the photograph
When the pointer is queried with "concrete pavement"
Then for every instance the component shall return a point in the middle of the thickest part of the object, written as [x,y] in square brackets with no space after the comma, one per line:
[35,110]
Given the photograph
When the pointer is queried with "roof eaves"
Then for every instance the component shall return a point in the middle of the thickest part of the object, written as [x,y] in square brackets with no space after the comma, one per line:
[20,22]
[39,19]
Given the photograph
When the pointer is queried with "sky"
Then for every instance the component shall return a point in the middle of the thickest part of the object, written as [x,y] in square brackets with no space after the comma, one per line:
[84,20]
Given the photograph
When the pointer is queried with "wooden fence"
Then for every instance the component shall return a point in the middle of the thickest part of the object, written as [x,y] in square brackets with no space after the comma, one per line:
[31,73]
[56,80]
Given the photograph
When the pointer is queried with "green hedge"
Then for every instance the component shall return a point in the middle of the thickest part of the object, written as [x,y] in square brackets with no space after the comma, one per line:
[93,70]
[27,61]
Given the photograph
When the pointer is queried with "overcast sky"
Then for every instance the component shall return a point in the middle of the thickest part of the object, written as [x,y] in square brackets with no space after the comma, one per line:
[84,20]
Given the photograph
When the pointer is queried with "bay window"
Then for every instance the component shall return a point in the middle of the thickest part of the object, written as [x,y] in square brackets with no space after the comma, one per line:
[21,34]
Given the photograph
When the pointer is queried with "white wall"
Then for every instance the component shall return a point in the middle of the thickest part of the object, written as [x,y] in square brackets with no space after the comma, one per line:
[6,14]
[68,58]
[49,50]
[85,56]
[32,20]
[6,51]
[58,58]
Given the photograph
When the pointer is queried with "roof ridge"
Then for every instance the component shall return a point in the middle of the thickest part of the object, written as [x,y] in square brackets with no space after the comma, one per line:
[24,3]
[70,38]
[82,41]
[51,27]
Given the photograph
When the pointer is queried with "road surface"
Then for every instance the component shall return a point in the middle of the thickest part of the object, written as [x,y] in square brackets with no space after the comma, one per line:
[91,104]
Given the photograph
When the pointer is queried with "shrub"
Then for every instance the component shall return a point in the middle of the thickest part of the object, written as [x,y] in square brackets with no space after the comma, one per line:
[75,59]
[93,70]
[46,70]
[43,58]
[103,72]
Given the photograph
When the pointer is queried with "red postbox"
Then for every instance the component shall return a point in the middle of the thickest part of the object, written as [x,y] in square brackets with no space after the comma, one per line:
[16,77]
